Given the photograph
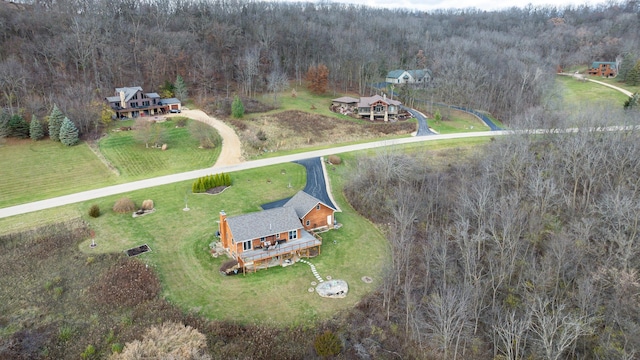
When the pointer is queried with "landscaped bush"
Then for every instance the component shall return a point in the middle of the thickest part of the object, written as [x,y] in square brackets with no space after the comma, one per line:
[94,211]
[205,183]
[334,159]
[327,344]
[124,205]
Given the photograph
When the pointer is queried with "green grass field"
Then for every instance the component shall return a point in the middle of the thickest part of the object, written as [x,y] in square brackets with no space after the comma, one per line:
[179,242]
[44,169]
[575,93]
[134,161]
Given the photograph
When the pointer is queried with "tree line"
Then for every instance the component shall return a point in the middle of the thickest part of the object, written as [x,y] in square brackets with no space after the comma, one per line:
[528,250]
[75,52]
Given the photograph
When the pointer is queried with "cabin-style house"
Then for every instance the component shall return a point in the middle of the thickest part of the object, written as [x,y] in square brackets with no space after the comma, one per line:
[378,107]
[272,237]
[604,69]
[131,102]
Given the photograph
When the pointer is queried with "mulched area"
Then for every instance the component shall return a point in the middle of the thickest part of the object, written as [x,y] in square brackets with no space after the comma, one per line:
[216,190]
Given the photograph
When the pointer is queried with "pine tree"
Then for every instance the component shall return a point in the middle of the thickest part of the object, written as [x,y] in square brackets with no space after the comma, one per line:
[633,76]
[36,132]
[237,108]
[194,187]
[628,61]
[227,179]
[18,127]
[68,132]
[55,122]
[180,88]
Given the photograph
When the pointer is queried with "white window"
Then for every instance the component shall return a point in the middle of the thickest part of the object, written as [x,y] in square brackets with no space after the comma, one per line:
[293,234]
[246,245]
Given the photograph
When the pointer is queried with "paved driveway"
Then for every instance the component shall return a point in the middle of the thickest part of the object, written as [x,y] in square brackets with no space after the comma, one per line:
[316,184]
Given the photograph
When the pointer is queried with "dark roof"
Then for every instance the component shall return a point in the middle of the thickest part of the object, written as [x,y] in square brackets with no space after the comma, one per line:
[263,223]
[170,101]
[113,99]
[303,203]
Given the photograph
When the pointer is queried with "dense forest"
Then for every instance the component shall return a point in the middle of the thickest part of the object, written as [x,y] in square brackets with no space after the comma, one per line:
[75,52]
[527,250]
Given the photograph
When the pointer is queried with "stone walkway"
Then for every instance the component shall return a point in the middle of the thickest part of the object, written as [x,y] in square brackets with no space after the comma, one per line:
[313,270]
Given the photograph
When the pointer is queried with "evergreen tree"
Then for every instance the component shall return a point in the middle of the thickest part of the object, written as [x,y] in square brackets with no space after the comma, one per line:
[180,88]
[18,127]
[68,132]
[35,129]
[633,76]
[55,122]
[194,187]
[237,108]
[628,61]
[166,90]
[227,179]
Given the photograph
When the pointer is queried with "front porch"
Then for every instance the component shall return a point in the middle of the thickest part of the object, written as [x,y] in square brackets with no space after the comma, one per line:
[277,254]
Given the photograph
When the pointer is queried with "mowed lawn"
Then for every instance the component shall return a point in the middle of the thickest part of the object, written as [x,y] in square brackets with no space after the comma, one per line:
[190,275]
[43,169]
[32,171]
[135,161]
[576,93]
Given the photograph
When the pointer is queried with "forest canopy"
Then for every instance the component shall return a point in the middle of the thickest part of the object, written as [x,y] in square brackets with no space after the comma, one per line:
[74,53]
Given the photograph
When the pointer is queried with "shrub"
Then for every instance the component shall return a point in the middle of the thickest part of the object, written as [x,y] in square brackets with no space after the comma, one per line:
[116,348]
[168,341]
[18,127]
[124,205]
[327,344]
[94,211]
[89,352]
[261,135]
[335,160]
[147,205]
[237,108]
[65,333]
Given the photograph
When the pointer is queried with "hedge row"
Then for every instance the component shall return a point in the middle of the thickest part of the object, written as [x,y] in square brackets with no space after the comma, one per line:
[210,181]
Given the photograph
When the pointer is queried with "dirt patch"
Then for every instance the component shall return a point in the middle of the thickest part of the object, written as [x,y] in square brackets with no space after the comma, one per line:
[296,129]
[216,190]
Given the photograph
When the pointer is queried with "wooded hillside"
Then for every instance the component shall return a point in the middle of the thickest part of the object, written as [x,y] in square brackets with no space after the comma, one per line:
[75,52]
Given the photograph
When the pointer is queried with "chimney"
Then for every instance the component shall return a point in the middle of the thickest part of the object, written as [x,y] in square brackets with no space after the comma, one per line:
[123,104]
[223,229]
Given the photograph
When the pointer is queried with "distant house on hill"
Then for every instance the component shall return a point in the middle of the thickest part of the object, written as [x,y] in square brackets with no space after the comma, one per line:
[422,76]
[268,238]
[133,102]
[603,68]
[372,107]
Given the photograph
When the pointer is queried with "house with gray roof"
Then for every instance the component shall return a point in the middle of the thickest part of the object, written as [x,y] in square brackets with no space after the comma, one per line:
[420,76]
[603,68]
[133,102]
[270,237]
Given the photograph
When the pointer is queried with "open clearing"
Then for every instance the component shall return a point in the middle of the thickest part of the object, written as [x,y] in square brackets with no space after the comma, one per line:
[292,130]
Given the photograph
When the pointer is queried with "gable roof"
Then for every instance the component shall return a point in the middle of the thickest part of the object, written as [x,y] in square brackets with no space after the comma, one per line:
[597,64]
[263,223]
[367,101]
[395,74]
[128,91]
[170,101]
[302,203]
[346,100]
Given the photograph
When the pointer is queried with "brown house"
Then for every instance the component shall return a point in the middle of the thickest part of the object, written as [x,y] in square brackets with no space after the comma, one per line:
[271,237]
[604,69]
[133,102]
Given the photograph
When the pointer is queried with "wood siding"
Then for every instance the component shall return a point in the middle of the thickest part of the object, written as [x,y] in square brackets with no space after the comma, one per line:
[318,217]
